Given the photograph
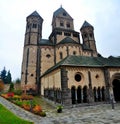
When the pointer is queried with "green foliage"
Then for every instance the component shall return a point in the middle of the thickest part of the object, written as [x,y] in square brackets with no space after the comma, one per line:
[17,81]
[1,85]
[59,108]
[11,87]
[17,92]
[7,117]
[3,75]
[42,113]
[6,76]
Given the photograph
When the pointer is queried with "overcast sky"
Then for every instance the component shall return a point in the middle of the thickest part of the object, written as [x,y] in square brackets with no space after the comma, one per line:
[104,15]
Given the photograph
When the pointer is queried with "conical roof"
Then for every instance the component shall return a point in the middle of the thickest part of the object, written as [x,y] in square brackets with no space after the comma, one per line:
[35,14]
[86,24]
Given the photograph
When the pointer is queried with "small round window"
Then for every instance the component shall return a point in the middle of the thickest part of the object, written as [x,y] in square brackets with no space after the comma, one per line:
[78,77]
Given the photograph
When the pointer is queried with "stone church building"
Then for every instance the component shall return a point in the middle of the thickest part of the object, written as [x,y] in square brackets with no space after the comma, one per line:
[64,69]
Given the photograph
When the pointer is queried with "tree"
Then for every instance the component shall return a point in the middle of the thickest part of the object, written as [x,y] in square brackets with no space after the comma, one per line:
[3,75]
[8,78]
[11,87]
[1,85]
[18,81]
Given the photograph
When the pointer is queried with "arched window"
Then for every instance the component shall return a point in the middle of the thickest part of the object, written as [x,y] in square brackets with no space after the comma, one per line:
[61,23]
[34,26]
[61,55]
[68,25]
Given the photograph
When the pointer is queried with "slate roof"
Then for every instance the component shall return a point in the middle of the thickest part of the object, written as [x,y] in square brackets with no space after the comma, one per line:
[86,24]
[35,14]
[67,40]
[85,61]
[45,42]
[60,10]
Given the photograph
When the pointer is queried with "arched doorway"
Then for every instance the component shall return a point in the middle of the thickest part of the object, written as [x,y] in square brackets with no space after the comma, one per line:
[116,89]
[95,94]
[79,94]
[85,94]
[103,93]
[99,94]
[73,94]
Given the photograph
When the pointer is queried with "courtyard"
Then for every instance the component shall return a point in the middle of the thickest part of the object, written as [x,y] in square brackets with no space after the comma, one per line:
[97,114]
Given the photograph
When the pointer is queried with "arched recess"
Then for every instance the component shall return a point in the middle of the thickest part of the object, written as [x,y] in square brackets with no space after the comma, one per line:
[79,94]
[73,94]
[85,94]
[103,93]
[116,86]
[95,94]
[99,93]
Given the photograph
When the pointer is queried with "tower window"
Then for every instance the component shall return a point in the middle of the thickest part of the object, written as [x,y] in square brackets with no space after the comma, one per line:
[91,35]
[68,25]
[64,14]
[75,35]
[85,35]
[34,25]
[28,26]
[61,55]
[67,34]
[59,32]
[61,23]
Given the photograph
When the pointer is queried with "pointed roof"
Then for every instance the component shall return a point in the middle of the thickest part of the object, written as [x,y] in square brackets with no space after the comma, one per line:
[35,14]
[60,10]
[86,24]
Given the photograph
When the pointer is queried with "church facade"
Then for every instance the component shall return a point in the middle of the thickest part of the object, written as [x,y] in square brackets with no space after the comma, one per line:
[64,69]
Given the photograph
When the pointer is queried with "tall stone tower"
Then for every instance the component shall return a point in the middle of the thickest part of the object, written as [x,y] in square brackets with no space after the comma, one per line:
[87,32]
[30,63]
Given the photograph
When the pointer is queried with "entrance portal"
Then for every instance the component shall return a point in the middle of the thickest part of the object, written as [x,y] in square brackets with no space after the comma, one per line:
[116,89]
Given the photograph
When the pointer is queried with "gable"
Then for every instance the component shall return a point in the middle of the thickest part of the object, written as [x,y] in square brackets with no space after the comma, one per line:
[61,13]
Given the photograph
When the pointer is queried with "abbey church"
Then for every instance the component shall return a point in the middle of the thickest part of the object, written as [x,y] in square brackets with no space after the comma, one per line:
[64,69]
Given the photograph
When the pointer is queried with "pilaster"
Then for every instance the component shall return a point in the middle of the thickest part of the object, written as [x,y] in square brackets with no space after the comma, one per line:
[66,93]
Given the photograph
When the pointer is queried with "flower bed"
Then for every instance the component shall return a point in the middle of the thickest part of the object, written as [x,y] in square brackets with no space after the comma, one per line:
[25,101]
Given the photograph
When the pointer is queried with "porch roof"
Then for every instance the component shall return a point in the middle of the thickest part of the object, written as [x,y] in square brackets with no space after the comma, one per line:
[85,61]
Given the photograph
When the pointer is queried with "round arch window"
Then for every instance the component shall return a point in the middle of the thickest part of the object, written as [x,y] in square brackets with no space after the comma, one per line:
[78,77]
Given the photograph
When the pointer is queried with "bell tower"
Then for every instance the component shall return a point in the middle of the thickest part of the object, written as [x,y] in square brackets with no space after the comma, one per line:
[30,63]
[87,32]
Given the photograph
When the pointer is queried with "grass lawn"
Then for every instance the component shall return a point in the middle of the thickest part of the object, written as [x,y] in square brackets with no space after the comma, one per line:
[7,117]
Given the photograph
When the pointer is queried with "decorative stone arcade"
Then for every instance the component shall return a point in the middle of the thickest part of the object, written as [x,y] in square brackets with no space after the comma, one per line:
[80,95]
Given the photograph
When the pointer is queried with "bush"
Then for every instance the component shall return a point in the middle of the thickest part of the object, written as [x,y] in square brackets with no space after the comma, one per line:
[19,103]
[17,92]
[43,114]
[11,89]
[1,85]
[37,109]
[26,97]
[59,108]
